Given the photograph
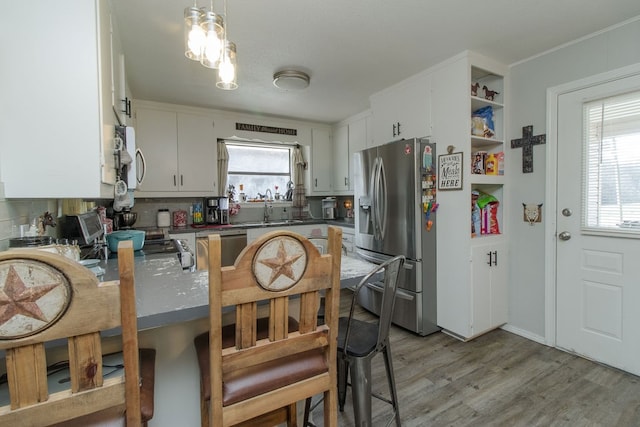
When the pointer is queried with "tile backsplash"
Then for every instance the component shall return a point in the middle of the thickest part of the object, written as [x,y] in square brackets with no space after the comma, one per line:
[16,212]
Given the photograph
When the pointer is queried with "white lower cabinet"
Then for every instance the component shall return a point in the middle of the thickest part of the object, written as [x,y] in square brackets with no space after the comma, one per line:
[488,287]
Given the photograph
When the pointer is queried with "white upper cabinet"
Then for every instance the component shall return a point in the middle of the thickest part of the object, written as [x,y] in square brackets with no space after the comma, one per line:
[341,158]
[348,138]
[321,159]
[57,137]
[402,111]
[180,152]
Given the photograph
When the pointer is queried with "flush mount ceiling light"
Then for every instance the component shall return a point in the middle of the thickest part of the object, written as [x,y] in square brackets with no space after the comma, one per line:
[291,80]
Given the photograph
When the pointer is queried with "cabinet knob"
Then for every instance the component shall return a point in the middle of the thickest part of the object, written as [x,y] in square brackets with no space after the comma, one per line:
[394,129]
[399,129]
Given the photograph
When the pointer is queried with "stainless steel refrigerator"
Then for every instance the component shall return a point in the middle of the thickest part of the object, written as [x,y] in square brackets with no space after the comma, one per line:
[395,196]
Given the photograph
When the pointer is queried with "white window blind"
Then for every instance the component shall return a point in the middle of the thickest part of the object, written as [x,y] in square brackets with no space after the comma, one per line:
[258,168]
[611,168]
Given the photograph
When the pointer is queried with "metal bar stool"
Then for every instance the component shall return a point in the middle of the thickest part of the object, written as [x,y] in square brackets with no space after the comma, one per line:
[359,342]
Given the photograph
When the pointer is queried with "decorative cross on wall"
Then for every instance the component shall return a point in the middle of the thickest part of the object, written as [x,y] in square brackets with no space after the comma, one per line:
[527,142]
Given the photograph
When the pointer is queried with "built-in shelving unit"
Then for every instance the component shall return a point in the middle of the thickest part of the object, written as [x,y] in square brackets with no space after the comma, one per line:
[472,289]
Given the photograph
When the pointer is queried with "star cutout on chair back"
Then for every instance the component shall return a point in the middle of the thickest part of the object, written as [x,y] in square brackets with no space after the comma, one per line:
[283,260]
[24,310]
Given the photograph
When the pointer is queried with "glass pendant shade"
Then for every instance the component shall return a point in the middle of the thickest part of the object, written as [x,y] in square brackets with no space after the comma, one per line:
[227,71]
[212,27]
[194,35]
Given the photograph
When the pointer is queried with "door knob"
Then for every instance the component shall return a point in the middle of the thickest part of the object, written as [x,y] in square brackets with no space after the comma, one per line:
[567,212]
[565,235]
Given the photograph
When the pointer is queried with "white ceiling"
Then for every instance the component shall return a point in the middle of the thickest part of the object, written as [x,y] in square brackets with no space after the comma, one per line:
[350,49]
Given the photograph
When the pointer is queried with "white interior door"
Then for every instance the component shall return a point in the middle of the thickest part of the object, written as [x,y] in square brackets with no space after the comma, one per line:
[598,260]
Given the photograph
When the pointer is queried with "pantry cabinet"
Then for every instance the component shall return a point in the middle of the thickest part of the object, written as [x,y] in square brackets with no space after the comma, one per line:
[179,151]
[471,300]
[348,138]
[58,133]
[321,171]
[402,111]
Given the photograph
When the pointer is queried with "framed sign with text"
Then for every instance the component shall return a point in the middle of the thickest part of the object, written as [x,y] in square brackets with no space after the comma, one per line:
[450,171]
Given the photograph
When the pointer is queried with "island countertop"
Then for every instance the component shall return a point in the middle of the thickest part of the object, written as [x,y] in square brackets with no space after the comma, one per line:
[166,294]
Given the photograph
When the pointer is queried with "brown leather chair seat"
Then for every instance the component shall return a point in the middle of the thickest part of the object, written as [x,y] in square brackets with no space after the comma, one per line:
[147,382]
[259,379]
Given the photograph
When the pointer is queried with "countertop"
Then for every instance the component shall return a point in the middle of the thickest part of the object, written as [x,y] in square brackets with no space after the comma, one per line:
[166,294]
[258,224]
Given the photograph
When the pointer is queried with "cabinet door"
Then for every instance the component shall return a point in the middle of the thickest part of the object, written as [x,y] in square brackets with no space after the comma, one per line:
[488,287]
[321,157]
[402,111]
[156,136]
[197,153]
[357,142]
[341,158]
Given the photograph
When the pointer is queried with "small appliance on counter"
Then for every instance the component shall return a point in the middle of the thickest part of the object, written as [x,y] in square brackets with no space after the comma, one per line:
[124,220]
[329,208]
[217,210]
[87,229]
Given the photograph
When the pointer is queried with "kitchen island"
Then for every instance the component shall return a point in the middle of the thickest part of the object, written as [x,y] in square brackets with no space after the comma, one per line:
[172,307]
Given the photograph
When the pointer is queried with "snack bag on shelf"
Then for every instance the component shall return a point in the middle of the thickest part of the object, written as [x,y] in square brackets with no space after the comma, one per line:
[488,206]
[478,162]
[475,214]
[482,122]
[491,165]
[500,160]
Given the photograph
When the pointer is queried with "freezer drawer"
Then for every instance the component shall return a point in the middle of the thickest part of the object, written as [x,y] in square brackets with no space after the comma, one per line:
[408,310]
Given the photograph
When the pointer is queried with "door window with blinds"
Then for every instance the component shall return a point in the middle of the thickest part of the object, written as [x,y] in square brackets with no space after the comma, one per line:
[611,168]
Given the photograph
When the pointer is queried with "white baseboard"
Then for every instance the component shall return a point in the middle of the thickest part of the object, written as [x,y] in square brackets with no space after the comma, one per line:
[525,334]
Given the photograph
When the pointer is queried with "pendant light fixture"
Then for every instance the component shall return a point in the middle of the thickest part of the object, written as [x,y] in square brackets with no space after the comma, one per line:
[194,35]
[227,71]
[213,28]
[205,40]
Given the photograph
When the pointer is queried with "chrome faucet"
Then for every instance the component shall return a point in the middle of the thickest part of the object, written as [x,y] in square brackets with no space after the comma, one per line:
[267,209]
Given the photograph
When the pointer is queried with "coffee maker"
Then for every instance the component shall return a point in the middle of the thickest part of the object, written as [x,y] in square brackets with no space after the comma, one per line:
[329,208]
[217,210]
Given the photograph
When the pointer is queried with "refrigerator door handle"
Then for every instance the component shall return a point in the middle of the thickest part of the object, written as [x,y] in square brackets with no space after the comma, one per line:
[382,203]
[399,292]
[374,198]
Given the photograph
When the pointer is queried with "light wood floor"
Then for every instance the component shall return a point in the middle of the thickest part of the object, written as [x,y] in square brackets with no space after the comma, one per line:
[498,379]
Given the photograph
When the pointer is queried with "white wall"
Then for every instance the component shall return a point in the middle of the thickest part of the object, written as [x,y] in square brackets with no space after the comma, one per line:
[607,50]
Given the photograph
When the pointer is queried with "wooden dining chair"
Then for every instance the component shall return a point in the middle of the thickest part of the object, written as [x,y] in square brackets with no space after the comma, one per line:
[48,301]
[254,379]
